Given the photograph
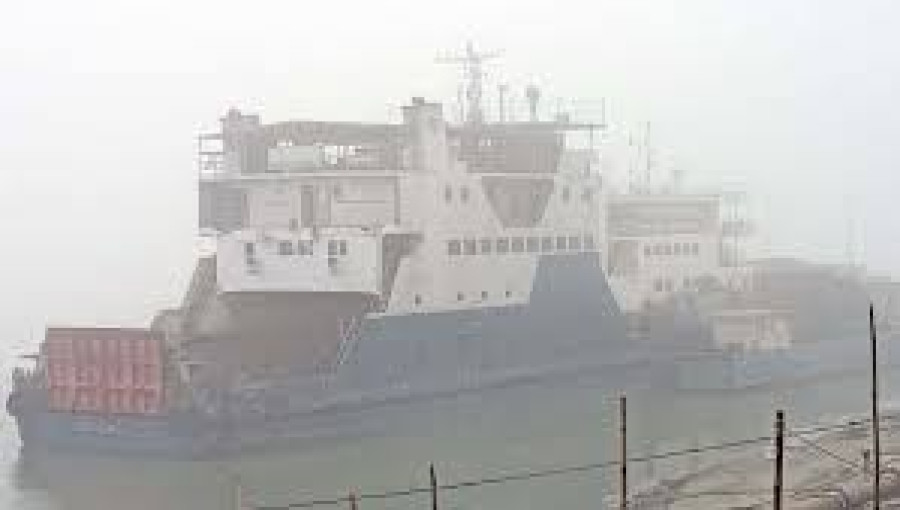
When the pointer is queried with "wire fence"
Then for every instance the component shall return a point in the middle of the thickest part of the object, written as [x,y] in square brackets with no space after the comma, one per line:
[352,499]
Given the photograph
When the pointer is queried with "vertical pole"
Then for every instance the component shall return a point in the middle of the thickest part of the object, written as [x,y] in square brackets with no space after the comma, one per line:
[778,486]
[876,429]
[352,499]
[623,454]
[434,487]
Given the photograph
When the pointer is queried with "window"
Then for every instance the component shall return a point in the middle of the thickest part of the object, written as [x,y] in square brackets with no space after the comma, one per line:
[485,246]
[338,191]
[332,248]
[508,293]
[695,249]
[589,243]
[678,249]
[546,244]
[460,296]
[518,245]
[285,248]
[668,248]
[687,282]
[464,194]
[454,248]
[648,251]
[657,285]
[305,248]
[470,247]
[561,243]
[342,247]
[417,300]
[574,243]
[532,244]
[293,224]
[658,249]
[448,194]
[484,295]
[502,245]
[668,285]
[249,250]
[587,195]
[565,194]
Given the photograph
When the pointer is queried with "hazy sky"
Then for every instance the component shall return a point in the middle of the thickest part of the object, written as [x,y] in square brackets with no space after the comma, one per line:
[100,102]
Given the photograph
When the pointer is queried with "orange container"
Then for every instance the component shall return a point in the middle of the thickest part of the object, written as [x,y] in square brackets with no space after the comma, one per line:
[104,370]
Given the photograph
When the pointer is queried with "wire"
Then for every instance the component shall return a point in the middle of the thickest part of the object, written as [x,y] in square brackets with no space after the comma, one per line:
[580,468]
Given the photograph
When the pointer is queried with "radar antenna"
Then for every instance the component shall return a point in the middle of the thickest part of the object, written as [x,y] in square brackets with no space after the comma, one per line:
[472,63]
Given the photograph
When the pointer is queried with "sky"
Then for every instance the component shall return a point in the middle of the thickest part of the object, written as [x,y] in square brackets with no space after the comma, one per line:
[100,102]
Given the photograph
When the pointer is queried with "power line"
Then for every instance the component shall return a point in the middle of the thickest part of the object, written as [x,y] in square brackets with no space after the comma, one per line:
[565,470]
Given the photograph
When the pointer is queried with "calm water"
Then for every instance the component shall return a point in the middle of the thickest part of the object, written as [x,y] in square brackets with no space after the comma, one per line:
[467,437]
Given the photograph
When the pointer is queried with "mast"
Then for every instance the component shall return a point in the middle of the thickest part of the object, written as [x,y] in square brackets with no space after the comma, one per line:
[472,64]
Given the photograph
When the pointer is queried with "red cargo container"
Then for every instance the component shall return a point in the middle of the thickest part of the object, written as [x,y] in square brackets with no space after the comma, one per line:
[104,370]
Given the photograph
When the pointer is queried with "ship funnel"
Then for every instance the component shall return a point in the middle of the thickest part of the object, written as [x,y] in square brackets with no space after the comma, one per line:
[533,94]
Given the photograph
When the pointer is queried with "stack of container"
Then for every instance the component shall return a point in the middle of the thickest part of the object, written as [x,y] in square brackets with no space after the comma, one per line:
[104,370]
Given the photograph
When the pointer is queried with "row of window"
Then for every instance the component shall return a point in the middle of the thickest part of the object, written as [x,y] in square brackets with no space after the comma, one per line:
[587,194]
[304,247]
[520,245]
[672,249]
[417,299]
[668,285]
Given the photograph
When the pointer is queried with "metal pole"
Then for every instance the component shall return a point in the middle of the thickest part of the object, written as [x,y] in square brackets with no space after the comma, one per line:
[434,487]
[778,486]
[876,429]
[623,454]
[352,499]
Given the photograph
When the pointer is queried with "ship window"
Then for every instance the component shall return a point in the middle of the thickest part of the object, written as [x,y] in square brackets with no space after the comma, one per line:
[658,249]
[518,245]
[464,194]
[285,248]
[417,300]
[587,195]
[678,249]
[293,224]
[648,251]
[305,248]
[249,249]
[484,294]
[338,191]
[547,244]
[668,285]
[658,285]
[332,248]
[695,249]
[454,247]
[508,293]
[486,246]
[448,194]
[532,244]
[342,247]
[687,282]
[668,248]
[469,247]
[502,245]
[460,296]
[561,243]
[565,194]
[574,243]
[589,243]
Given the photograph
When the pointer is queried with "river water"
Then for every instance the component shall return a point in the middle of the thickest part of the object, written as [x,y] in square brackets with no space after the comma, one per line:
[467,437]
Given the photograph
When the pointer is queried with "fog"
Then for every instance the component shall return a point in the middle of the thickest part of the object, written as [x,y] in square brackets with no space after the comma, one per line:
[101,101]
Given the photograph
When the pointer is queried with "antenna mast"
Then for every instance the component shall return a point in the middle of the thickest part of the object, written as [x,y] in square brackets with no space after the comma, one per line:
[472,63]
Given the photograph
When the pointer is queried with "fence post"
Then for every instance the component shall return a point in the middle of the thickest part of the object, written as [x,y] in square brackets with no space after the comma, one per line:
[876,426]
[623,454]
[778,487]
[434,487]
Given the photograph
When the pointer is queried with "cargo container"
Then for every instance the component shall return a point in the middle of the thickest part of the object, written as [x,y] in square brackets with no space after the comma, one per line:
[104,370]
